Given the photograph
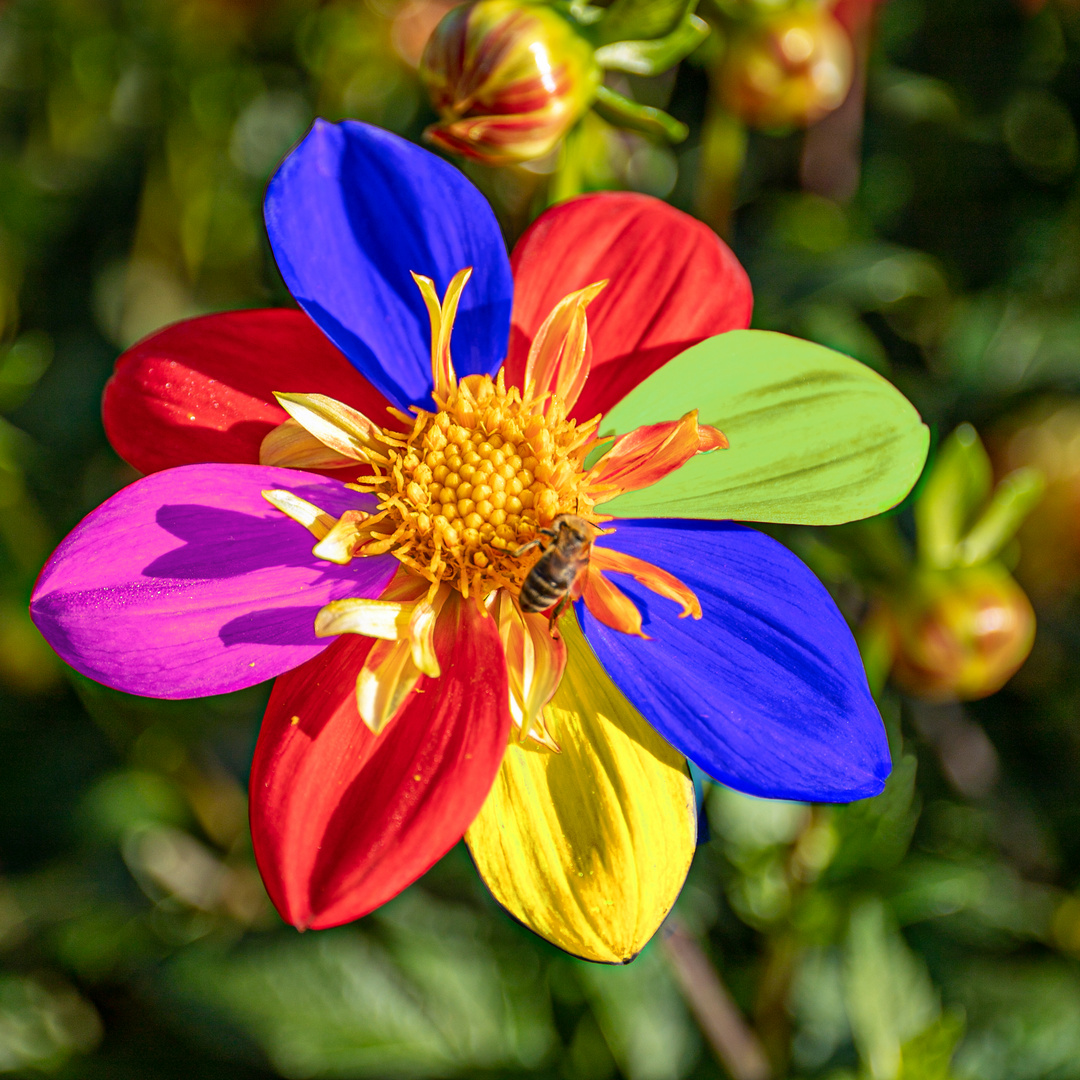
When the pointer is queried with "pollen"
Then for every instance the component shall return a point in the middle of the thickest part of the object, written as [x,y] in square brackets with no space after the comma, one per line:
[473,482]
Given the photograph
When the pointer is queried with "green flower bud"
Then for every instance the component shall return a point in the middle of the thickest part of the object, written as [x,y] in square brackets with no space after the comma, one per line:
[959,634]
[1046,436]
[787,69]
[508,78]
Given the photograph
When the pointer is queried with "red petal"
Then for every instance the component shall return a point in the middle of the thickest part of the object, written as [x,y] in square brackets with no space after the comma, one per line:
[672,283]
[202,390]
[343,820]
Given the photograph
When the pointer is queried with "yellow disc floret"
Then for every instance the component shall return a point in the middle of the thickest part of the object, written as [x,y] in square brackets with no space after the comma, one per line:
[472,483]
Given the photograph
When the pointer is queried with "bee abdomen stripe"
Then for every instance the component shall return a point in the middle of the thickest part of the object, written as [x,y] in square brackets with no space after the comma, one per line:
[536,596]
[545,588]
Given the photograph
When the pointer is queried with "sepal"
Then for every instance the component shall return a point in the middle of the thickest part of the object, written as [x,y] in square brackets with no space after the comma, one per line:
[626,20]
[951,529]
[656,56]
[621,111]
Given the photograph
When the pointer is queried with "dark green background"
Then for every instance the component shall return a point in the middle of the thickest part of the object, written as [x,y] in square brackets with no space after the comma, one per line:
[135,941]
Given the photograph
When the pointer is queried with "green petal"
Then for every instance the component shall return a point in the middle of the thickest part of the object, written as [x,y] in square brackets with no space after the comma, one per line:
[816,437]
[589,847]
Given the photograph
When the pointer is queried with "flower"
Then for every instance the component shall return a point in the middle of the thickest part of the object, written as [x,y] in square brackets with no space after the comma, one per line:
[508,79]
[693,636]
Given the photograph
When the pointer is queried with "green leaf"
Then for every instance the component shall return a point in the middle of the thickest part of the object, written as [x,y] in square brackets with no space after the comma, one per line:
[623,112]
[878,651]
[929,1055]
[876,833]
[629,19]
[642,1014]
[816,437]
[1014,498]
[425,994]
[890,997]
[656,56]
[957,486]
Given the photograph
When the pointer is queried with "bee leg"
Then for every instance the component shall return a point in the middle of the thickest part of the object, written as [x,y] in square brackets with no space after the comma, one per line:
[560,609]
[524,547]
[533,543]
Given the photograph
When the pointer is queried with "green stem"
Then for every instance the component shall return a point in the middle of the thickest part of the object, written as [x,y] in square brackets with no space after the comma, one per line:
[723,153]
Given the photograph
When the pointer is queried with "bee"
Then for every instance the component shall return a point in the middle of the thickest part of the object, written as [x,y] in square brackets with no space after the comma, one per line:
[554,573]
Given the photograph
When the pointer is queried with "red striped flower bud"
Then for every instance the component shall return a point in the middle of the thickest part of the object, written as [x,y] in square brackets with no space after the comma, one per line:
[508,79]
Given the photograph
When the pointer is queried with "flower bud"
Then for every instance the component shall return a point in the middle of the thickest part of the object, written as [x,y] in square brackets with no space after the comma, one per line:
[508,79]
[1046,436]
[788,69]
[959,634]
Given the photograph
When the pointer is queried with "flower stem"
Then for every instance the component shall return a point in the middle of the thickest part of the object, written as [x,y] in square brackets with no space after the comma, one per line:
[731,1037]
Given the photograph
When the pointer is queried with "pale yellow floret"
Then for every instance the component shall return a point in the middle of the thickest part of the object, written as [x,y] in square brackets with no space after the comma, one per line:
[339,544]
[341,427]
[390,620]
[534,666]
[316,521]
[385,619]
[291,446]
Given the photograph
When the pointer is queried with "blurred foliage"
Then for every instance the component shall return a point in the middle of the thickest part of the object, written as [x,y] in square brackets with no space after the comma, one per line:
[931,933]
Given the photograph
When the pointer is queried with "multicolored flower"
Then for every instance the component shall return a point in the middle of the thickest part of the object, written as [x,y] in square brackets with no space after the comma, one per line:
[347,498]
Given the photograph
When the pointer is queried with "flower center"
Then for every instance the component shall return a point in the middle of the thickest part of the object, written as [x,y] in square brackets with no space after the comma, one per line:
[465,493]
[471,484]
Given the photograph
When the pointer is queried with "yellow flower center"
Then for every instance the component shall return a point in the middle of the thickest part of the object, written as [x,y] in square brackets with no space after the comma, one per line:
[472,483]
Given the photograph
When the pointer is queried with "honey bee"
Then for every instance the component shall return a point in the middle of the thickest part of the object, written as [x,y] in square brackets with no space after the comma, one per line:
[554,573]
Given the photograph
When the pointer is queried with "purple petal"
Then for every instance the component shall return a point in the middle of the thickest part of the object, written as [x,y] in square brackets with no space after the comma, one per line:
[350,212]
[766,692]
[189,582]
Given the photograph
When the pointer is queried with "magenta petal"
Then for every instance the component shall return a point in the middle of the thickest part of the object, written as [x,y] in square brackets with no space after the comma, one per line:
[189,582]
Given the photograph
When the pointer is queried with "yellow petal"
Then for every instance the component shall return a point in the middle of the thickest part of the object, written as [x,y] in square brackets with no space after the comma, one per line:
[589,847]
[343,429]
[291,446]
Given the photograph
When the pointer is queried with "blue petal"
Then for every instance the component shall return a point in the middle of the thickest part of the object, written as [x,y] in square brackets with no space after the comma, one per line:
[350,212]
[766,692]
